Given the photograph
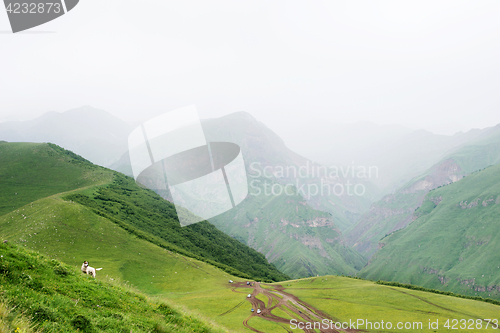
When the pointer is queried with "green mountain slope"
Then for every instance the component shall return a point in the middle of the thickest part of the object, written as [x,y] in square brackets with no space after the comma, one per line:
[454,242]
[72,233]
[30,171]
[395,211]
[297,239]
[55,297]
[128,205]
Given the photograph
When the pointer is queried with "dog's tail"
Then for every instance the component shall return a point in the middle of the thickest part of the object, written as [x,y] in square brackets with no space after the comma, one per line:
[98,269]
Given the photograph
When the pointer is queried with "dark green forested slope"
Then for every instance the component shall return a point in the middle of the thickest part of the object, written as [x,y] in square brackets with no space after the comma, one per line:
[143,209]
[454,243]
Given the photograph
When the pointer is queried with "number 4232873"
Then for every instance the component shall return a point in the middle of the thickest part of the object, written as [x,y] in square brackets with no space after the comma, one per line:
[34,8]
[471,324]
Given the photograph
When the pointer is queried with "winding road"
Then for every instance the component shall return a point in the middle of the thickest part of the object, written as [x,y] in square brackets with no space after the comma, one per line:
[277,298]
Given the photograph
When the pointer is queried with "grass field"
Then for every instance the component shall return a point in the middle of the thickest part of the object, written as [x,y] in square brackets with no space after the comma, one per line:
[347,299]
[73,233]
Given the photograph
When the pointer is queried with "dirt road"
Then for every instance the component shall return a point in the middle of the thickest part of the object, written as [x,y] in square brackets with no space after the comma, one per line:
[276,298]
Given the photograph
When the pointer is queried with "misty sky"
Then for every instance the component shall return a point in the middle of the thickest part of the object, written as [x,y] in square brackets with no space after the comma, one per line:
[423,64]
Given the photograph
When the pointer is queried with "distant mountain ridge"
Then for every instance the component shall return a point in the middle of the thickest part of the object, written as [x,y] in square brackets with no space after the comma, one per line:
[95,134]
[282,226]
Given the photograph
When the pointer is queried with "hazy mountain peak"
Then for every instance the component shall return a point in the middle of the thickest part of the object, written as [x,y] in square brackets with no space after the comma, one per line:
[89,111]
[90,132]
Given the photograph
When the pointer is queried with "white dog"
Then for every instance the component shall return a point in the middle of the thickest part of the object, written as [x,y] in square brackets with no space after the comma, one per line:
[89,270]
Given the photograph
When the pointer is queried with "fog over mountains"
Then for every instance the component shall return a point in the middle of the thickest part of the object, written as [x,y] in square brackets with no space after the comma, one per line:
[400,153]
[303,234]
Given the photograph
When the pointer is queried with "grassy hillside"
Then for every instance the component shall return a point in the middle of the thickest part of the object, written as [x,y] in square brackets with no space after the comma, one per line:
[30,171]
[118,198]
[453,244]
[395,211]
[72,233]
[204,288]
[55,297]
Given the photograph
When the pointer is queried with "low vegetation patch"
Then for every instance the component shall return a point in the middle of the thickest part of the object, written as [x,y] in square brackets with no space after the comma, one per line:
[39,294]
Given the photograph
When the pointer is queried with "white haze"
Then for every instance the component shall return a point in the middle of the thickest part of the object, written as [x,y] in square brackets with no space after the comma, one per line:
[420,64]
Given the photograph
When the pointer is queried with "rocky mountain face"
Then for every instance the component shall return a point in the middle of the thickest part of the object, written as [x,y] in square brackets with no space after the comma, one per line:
[395,211]
[452,242]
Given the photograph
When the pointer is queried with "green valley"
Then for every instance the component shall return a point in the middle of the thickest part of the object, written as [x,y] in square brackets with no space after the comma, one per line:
[452,244]
[159,277]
